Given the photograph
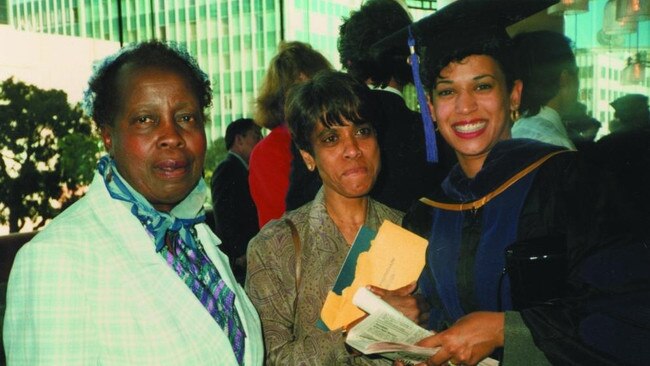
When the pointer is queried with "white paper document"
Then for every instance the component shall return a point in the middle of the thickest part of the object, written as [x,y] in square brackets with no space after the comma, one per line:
[388,332]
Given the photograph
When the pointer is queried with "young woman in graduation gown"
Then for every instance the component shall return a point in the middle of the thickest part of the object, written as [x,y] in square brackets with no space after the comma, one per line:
[527,259]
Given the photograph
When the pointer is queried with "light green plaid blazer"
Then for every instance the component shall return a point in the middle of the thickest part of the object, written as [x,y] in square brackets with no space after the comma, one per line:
[91,290]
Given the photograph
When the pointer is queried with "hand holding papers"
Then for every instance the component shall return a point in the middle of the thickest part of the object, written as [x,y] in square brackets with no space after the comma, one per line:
[386,331]
[390,259]
[390,333]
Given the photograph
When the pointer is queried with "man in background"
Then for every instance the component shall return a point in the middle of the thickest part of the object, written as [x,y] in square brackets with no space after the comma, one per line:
[550,76]
[625,152]
[630,113]
[234,211]
[405,173]
[581,127]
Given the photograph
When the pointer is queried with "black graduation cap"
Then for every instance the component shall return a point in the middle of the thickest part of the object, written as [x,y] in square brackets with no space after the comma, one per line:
[461,24]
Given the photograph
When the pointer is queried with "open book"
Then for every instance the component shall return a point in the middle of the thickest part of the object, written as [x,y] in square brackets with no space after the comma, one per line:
[391,258]
[390,333]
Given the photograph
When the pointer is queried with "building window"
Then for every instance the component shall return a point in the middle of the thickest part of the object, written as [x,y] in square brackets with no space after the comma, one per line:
[4,12]
[421,4]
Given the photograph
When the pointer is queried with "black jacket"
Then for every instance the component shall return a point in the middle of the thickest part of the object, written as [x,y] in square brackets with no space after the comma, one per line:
[405,174]
[602,314]
[234,211]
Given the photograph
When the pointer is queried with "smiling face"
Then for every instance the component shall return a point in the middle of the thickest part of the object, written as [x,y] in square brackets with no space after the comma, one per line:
[347,158]
[157,139]
[472,106]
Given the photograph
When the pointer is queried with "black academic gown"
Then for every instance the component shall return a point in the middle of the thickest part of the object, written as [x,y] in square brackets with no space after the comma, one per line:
[405,174]
[627,155]
[597,305]
[235,213]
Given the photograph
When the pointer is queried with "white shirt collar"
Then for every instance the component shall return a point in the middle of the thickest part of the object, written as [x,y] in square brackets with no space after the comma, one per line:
[389,89]
[551,114]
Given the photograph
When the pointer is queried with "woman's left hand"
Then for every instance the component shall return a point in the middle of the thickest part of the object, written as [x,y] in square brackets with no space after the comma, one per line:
[471,339]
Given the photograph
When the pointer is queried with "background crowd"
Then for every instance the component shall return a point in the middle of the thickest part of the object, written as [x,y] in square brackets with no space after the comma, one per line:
[132,273]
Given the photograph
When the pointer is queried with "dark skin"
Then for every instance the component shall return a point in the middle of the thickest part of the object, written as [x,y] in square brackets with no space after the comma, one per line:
[464,343]
[157,139]
[347,159]
[403,300]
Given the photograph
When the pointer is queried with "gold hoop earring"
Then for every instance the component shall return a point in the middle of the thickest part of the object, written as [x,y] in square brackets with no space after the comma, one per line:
[514,115]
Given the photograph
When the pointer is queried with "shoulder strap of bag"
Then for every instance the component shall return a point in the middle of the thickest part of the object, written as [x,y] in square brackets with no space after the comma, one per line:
[297,247]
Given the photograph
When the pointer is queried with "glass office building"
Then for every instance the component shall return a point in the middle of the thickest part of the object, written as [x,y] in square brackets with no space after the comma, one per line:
[233,40]
[4,12]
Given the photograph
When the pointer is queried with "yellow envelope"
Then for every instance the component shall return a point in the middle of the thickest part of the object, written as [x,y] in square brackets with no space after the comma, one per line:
[395,258]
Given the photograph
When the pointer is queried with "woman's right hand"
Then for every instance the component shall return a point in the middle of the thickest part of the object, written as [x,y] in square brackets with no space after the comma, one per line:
[471,339]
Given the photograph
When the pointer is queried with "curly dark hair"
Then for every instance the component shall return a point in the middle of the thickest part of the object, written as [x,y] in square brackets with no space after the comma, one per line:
[328,98]
[102,97]
[375,20]
[500,48]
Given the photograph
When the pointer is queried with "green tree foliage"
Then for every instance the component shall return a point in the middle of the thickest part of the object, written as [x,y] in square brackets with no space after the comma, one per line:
[215,154]
[48,151]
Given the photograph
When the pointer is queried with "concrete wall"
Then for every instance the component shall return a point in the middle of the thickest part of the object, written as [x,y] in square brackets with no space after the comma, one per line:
[50,61]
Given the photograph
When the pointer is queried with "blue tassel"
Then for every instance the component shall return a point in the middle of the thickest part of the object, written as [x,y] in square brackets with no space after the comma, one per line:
[429,133]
